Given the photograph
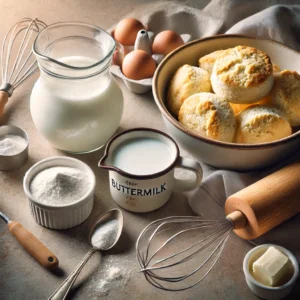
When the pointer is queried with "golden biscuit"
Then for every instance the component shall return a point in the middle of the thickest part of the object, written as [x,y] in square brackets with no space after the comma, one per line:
[261,124]
[205,114]
[242,75]
[187,81]
[239,107]
[207,62]
[286,95]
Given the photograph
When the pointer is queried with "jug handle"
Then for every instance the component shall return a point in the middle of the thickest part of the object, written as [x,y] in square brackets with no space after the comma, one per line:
[184,185]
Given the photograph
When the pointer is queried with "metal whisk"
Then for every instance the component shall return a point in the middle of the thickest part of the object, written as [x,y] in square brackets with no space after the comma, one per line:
[176,253]
[17,59]
[166,244]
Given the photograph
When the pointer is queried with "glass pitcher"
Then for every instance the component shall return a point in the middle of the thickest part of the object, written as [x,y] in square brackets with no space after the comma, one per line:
[75,104]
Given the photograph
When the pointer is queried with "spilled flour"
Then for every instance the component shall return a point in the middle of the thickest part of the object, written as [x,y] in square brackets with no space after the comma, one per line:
[114,275]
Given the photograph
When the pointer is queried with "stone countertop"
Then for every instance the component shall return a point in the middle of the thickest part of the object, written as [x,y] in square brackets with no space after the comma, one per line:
[21,276]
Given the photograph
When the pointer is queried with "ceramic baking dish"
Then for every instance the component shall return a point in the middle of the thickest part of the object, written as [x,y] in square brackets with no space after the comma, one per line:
[240,157]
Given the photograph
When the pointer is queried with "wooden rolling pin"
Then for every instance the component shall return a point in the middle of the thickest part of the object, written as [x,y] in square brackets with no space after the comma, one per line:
[31,244]
[266,203]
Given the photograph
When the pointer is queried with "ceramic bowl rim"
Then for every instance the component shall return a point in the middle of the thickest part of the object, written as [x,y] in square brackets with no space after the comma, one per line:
[166,114]
[76,203]
[269,288]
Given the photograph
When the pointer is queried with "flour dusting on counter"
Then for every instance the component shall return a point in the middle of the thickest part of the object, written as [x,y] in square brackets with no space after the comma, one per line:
[113,275]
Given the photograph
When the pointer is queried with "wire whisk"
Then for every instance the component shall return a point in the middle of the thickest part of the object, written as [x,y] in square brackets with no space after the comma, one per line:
[17,59]
[167,244]
[176,253]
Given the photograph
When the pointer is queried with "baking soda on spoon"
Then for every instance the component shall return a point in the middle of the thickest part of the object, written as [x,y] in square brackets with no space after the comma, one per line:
[109,223]
[105,235]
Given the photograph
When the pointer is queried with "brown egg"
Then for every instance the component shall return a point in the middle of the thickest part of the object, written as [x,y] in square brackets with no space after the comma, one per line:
[138,65]
[166,41]
[127,30]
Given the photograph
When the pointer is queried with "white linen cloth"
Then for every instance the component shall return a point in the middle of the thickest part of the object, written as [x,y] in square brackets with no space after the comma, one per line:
[208,201]
[272,19]
[277,20]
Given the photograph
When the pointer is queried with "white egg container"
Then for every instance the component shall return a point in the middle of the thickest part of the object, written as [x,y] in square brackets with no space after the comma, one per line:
[135,86]
[144,85]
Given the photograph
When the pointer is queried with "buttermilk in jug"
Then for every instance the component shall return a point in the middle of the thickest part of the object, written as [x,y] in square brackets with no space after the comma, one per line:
[75,104]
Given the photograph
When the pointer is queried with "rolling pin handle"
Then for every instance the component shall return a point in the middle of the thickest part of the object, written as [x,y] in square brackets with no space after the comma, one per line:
[238,219]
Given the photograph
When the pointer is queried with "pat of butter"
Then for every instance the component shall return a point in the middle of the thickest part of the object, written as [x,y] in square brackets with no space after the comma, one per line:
[271,267]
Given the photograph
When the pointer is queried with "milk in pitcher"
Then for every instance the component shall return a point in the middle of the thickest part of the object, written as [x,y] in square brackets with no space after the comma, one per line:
[79,117]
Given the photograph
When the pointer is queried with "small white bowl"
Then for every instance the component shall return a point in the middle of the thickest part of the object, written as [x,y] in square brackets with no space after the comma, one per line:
[63,216]
[263,291]
[15,161]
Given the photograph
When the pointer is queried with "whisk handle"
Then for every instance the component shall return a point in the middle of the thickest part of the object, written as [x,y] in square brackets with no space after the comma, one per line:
[3,100]
[268,202]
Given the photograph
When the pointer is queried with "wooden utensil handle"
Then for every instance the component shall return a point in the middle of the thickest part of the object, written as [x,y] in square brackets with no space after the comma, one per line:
[268,202]
[238,218]
[3,101]
[33,246]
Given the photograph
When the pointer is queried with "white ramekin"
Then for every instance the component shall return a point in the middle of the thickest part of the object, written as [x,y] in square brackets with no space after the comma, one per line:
[63,216]
[263,291]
